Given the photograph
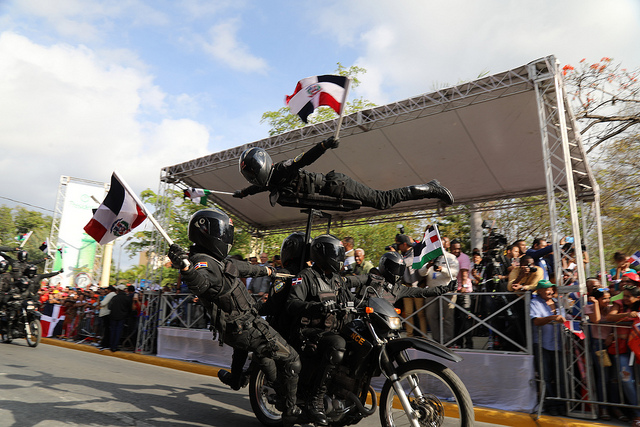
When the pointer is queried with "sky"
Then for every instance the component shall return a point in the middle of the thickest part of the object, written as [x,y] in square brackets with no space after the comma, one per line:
[92,86]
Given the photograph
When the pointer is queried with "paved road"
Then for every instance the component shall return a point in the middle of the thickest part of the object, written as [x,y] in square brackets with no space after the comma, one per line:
[56,386]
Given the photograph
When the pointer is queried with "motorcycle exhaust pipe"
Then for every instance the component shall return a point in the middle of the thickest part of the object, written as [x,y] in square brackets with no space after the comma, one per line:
[364,411]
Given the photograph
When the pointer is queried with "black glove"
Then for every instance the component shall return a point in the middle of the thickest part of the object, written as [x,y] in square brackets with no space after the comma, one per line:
[330,142]
[453,285]
[272,276]
[238,193]
[179,258]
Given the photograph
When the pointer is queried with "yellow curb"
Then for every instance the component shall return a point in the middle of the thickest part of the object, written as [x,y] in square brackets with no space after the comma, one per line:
[196,368]
[486,415]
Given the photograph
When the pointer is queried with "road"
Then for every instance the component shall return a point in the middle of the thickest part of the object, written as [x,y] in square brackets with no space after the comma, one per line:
[57,386]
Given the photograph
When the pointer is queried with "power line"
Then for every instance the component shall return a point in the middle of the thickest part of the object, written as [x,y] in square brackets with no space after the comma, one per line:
[28,204]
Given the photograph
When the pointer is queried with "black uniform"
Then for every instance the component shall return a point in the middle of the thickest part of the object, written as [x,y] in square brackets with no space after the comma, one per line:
[288,178]
[236,316]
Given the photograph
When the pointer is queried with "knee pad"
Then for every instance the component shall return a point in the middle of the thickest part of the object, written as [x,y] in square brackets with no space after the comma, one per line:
[294,367]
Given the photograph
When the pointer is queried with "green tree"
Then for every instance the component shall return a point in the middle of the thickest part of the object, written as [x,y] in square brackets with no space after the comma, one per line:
[282,120]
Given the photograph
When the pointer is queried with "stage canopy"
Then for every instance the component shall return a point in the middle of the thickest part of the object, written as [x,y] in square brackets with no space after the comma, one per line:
[483,140]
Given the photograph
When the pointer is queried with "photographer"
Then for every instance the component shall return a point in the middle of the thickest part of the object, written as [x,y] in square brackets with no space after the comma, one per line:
[525,277]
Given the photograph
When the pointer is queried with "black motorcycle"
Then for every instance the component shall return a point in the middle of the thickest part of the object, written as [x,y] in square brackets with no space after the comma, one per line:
[416,392]
[21,319]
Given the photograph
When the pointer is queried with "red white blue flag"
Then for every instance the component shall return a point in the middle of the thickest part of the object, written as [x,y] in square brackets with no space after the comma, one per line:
[634,259]
[118,214]
[315,91]
[574,327]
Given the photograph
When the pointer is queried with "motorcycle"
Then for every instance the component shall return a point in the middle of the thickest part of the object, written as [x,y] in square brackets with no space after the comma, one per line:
[418,392]
[21,319]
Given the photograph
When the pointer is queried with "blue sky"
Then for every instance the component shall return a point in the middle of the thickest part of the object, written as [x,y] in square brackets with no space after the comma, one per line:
[89,86]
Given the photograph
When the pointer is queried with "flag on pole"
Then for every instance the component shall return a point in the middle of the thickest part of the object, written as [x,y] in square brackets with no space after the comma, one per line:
[197,194]
[574,327]
[45,245]
[634,259]
[24,237]
[51,315]
[312,92]
[118,214]
[428,249]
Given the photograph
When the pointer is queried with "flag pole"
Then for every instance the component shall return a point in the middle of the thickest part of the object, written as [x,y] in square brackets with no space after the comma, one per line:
[444,255]
[149,215]
[26,238]
[343,107]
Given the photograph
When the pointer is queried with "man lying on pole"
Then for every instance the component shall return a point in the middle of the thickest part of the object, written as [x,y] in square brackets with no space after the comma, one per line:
[288,178]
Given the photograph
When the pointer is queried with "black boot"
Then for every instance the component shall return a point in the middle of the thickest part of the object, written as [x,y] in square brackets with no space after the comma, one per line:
[235,382]
[315,408]
[431,190]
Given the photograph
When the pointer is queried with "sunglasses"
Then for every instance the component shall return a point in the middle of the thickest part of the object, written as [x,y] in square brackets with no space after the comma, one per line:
[629,287]
[603,289]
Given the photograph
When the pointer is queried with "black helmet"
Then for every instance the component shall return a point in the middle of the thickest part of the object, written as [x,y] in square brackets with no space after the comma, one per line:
[392,267]
[30,271]
[292,251]
[22,283]
[255,166]
[213,230]
[327,253]
[23,255]
[4,265]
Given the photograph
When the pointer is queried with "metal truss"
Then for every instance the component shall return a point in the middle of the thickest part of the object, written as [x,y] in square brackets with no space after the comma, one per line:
[568,177]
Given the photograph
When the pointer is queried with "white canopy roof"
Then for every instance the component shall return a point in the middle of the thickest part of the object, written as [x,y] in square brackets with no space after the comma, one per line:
[482,140]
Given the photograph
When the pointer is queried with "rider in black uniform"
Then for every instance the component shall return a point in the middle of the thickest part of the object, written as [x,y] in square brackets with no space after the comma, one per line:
[214,279]
[288,177]
[314,296]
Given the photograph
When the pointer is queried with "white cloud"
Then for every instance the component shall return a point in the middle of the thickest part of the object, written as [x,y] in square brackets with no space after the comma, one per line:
[412,46]
[69,113]
[224,46]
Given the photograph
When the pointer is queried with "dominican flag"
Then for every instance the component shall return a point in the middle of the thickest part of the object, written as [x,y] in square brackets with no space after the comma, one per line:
[118,214]
[428,249]
[44,246]
[197,194]
[634,259]
[24,237]
[315,91]
[574,327]
[51,315]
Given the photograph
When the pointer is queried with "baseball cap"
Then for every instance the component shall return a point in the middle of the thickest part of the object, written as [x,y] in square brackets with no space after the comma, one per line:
[121,287]
[542,284]
[632,276]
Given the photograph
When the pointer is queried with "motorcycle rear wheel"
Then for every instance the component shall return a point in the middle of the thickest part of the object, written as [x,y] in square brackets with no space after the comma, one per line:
[442,394]
[33,339]
[261,397]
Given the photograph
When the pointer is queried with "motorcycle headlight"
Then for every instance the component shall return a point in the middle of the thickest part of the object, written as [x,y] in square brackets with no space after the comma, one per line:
[395,322]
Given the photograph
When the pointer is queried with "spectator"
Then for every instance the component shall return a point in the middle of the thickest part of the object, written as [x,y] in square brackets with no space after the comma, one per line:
[541,252]
[259,286]
[622,267]
[626,309]
[411,279]
[547,318]
[513,257]
[120,306]
[105,322]
[464,262]
[477,270]
[596,311]
[349,255]
[276,262]
[437,274]
[525,277]
[462,319]
[361,266]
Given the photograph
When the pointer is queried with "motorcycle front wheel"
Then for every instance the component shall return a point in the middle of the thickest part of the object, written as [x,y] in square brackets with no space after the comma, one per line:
[262,398]
[33,339]
[436,395]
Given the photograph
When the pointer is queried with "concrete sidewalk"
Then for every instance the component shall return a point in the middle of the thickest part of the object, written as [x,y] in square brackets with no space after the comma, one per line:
[482,414]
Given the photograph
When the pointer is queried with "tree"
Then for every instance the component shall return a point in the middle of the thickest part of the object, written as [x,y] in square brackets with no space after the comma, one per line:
[606,99]
[282,120]
[17,221]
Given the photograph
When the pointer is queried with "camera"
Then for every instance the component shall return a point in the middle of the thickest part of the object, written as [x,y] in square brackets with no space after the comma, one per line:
[393,246]
[532,268]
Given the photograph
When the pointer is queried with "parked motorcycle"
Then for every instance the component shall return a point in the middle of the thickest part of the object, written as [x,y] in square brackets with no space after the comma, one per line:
[21,319]
[416,392]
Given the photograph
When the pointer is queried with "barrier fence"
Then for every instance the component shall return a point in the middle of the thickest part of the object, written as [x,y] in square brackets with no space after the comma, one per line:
[585,373]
